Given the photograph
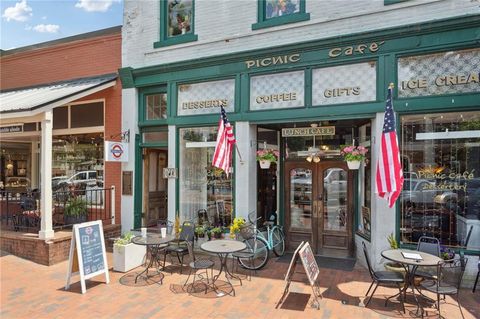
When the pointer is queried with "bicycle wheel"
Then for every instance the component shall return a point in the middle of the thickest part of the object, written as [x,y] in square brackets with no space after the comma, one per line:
[259,247]
[278,241]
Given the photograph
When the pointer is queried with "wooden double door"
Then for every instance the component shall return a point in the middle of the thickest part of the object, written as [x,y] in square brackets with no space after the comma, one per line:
[319,206]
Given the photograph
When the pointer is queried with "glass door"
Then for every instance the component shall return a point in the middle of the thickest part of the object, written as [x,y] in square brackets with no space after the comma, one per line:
[319,206]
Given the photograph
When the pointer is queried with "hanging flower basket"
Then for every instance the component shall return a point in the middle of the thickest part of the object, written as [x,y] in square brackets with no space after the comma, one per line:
[354,155]
[266,157]
[265,164]
[353,164]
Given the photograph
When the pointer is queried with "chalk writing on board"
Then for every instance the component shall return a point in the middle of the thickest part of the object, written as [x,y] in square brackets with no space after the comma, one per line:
[91,249]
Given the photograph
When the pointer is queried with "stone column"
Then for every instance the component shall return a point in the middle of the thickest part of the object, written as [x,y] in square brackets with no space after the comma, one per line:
[46,230]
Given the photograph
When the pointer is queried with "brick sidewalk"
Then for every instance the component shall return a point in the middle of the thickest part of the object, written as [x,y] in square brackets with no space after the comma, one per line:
[29,290]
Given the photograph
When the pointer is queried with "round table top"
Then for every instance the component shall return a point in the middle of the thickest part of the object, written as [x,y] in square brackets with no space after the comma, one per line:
[223,246]
[152,239]
[397,256]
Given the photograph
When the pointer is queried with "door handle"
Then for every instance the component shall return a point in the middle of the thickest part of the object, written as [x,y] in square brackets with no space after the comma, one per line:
[314,208]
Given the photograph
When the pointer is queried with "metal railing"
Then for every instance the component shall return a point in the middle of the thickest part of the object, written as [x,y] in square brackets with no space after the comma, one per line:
[21,211]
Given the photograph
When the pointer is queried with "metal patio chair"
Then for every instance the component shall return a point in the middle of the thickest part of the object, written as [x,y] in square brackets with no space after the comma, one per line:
[179,246]
[197,264]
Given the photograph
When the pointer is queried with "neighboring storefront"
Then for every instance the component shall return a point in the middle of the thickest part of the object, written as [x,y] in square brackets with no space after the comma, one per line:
[307,101]
[54,124]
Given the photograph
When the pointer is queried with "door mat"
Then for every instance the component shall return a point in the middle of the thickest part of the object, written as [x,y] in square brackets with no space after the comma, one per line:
[345,264]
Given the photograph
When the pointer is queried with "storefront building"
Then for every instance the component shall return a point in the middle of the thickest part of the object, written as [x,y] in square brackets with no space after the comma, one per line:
[305,87]
[57,109]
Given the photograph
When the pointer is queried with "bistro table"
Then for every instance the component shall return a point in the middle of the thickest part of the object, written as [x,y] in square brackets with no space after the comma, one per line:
[223,248]
[410,265]
[155,244]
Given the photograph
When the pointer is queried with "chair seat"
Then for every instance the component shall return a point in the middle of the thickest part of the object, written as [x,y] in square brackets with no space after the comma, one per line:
[177,248]
[243,254]
[425,274]
[389,276]
[431,286]
[202,264]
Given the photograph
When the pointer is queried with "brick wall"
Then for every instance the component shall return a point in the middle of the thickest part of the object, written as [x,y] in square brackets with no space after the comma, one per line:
[59,62]
[50,252]
[231,31]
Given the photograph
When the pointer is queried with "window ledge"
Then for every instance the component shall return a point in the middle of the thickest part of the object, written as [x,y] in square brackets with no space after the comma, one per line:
[176,40]
[292,18]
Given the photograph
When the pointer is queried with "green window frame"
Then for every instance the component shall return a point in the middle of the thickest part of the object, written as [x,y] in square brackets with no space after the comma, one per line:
[264,22]
[143,105]
[389,2]
[165,39]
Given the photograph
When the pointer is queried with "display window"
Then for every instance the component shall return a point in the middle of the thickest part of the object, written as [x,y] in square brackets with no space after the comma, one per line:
[77,160]
[441,194]
[202,186]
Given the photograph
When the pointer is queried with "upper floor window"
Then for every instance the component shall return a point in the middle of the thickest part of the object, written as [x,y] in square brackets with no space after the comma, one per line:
[176,18]
[277,12]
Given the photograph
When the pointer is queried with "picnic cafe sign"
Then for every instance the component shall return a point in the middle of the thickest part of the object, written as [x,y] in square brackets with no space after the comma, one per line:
[116,151]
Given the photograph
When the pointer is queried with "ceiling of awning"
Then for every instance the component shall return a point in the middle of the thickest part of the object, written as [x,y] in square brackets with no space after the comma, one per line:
[33,100]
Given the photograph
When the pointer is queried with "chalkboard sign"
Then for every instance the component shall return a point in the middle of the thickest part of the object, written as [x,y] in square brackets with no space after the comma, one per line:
[89,258]
[309,263]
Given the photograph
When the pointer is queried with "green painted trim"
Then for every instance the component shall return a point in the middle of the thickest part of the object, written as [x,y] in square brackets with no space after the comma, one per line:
[174,41]
[126,76]
[165,40]
[280,181]
[143,94]
[273,22]
[458,32]
[389,2]
[308,87]
[263,22]
[138,192]
[154,145]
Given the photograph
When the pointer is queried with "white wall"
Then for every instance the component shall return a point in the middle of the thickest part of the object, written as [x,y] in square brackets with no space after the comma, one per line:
[224,27]
[129,122]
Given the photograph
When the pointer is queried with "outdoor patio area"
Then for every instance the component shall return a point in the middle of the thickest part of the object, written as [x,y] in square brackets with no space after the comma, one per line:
[30,290]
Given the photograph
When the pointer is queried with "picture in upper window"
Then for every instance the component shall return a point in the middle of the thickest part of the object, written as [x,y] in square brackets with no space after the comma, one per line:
[180,14]
[279,8]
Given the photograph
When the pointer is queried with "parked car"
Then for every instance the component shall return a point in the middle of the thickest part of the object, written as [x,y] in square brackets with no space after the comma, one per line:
[422,192]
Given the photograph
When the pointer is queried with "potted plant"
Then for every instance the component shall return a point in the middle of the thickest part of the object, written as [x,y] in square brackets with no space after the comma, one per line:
[199,232]
[354,155]
[447,254]
[267,156]
[127,255]
[393,266]
[235,226]
[75,211]
[217,232]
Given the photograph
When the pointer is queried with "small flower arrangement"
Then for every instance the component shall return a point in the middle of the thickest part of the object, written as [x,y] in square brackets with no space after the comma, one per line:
[268,155]
[446,253]
[236,225]
[354,153]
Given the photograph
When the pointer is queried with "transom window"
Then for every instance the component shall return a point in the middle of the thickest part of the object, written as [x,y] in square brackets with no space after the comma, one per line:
[156,107]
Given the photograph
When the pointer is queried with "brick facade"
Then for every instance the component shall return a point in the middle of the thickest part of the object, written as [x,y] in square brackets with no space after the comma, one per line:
[48,252]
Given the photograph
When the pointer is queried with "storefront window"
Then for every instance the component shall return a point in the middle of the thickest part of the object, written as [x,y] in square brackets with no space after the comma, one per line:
[201,185]
[15,170]
[441,193]
[77,160]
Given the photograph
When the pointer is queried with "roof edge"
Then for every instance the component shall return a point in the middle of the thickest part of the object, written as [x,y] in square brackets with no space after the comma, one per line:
[113,75]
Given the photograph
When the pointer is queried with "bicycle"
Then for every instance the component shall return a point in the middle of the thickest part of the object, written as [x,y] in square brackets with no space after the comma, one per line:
[259,245]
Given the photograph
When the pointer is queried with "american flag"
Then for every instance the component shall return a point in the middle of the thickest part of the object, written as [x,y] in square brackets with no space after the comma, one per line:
[389,169]
[224,146]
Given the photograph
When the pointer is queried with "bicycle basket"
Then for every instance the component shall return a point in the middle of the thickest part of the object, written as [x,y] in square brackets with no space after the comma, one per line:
[247,231]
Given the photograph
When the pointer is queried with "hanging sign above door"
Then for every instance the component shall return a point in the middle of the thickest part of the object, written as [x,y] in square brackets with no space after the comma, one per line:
[116,151]
[308,131]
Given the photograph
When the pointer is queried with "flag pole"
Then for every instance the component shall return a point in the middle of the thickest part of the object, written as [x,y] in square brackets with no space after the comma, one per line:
[239,155]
